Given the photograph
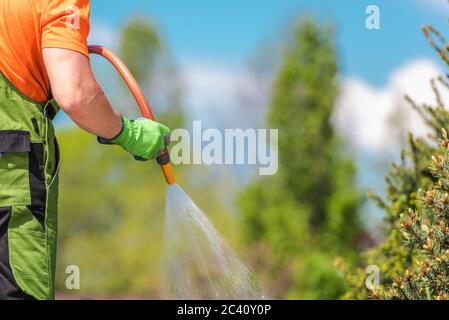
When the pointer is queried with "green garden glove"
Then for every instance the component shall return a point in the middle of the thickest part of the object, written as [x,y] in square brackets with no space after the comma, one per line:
[143,138]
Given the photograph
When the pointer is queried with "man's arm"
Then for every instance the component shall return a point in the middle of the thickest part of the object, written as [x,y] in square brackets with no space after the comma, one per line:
[77,92]
[80,96]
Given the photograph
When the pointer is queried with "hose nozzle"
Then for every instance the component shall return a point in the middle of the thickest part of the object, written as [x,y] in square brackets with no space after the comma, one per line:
[167,170]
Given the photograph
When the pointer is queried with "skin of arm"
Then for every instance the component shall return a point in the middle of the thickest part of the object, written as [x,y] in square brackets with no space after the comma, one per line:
[77,92]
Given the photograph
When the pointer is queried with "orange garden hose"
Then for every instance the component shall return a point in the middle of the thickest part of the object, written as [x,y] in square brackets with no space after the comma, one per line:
[164,159]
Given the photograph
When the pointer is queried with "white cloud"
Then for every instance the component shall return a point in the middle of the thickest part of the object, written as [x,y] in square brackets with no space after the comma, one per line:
[219,95]
[369,118]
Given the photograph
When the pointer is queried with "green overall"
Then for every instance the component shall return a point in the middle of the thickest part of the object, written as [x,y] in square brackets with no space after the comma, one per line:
[29,165]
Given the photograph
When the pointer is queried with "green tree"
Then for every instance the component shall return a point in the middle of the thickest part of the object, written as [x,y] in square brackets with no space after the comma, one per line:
[144,53]
[140,48]
[425,231]
[307,213]
[391,256]
[413,257]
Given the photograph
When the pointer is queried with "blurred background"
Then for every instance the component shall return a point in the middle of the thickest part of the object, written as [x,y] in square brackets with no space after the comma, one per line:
[310,68]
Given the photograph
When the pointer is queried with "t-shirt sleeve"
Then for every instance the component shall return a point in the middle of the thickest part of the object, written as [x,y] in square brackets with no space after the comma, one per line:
[66,25]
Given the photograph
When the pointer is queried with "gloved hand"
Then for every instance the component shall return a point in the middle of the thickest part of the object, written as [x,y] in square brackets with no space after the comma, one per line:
[143,138]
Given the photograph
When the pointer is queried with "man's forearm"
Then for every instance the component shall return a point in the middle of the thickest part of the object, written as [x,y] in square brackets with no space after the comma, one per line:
[96,115]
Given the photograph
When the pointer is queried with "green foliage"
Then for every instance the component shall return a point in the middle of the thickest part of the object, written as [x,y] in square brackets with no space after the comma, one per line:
[142,50]
[413,258]
[307,213]
[270,215]
[112,211]
[140,47]
[391,256]
[322,280]
[426,232]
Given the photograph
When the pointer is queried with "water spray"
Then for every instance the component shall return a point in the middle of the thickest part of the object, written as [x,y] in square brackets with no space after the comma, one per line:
[199,263]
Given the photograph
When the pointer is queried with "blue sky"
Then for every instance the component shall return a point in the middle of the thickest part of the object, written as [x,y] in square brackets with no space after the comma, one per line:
[213,41]
[229,32]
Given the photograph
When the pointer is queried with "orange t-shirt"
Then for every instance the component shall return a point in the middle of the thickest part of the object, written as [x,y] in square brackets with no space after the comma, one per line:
[28,26]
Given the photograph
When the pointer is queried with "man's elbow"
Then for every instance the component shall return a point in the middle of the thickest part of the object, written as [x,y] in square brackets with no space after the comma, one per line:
[78,100]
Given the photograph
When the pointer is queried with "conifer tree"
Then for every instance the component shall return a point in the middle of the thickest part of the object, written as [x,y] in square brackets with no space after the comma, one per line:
[414,257]
[308,212]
